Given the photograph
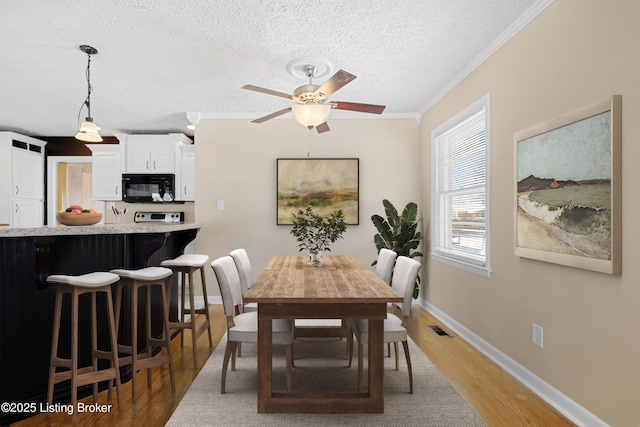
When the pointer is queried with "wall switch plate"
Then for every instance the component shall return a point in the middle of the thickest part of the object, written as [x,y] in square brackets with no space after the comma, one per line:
[220,205]
[537,335]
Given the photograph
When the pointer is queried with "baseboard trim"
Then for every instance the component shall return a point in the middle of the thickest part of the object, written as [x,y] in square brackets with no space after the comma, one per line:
[563,404]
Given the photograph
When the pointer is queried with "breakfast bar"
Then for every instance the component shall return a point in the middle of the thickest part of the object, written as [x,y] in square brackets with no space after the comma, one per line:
[29,255]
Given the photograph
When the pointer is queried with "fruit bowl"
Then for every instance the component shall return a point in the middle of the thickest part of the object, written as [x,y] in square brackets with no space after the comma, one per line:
[72,218]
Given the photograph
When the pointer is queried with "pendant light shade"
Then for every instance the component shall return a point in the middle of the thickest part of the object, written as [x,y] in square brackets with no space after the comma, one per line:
[88,130]
[310,115]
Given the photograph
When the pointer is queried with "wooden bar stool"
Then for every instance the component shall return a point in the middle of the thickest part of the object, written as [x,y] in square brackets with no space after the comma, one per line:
[186,264]
[136,279]
[90,283]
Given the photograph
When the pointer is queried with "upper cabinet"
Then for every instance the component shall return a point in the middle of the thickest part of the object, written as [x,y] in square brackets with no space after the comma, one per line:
[106,175]
[21,180]
[28,173]
[143,154]
[153,153]
[186,179]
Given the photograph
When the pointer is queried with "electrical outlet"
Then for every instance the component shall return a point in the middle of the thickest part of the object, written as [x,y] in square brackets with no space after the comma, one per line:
[220,205]
[537,335]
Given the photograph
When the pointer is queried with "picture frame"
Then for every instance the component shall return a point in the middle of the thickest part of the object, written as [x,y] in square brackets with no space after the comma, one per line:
[324,184]
[567,207]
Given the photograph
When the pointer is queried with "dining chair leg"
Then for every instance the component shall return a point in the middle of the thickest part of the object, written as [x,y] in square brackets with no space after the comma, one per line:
[405,345]
[347,334]
[289,356]
[350,349]
[229,349]
[395,349]
[360,360]
[388,349]
[234,354]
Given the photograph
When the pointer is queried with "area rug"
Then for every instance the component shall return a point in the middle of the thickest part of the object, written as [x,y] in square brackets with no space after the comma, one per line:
[320,365]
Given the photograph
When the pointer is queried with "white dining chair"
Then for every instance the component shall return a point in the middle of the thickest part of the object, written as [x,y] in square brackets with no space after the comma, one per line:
[243,264]
[243,327]
[405,274]
[384,270]
[384,264]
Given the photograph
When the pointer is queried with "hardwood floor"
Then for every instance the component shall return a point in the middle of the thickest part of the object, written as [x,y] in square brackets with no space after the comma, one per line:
[496,396]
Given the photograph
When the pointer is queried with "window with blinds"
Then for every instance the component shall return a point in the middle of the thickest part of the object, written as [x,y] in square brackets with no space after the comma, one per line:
[460,177]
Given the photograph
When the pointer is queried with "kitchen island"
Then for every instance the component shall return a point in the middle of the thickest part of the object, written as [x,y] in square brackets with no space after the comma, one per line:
[29,255]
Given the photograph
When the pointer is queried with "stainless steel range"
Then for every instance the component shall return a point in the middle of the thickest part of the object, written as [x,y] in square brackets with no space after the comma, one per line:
[158,217]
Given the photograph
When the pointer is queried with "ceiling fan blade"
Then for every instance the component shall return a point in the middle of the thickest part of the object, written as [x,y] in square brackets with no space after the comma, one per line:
[267,91]
[338,80]
[323,127]
[354,106]
[271,116]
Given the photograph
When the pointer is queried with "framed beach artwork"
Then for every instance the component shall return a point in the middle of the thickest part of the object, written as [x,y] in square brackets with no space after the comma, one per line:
[325,185]
[567,195]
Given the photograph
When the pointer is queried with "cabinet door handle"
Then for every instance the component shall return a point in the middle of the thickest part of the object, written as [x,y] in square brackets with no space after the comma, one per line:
[147,165]
[185,189]
[116,189]
[17,190]
[154,165]
[17,208]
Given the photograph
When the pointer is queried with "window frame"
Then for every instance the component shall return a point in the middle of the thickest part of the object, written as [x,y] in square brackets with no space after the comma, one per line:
[450,258]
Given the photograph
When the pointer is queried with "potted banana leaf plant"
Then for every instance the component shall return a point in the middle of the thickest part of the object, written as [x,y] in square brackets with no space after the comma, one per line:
[315,233]
[399,233]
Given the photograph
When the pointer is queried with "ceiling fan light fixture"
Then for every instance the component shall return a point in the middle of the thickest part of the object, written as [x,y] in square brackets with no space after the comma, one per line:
[310,115]
[88,131]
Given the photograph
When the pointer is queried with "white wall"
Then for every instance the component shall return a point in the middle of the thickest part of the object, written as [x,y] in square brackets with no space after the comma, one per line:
[236,162]
[574,53]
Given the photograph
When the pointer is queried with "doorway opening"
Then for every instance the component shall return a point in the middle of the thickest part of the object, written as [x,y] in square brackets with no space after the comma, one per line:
[69,183]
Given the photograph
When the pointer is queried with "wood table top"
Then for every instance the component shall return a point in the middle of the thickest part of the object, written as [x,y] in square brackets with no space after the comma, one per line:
[341,279]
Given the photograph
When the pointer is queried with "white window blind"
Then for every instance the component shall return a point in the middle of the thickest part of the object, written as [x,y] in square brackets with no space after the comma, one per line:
[460,189]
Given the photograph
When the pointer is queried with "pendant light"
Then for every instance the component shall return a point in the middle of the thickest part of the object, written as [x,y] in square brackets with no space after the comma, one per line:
[88,130]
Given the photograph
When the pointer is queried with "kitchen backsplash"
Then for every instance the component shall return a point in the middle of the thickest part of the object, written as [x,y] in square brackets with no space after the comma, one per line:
[110,217]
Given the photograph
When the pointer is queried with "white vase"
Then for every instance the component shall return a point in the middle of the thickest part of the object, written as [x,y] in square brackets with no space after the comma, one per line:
[315,258]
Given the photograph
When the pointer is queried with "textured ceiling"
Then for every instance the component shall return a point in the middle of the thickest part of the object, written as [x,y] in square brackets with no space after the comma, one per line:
[159,59]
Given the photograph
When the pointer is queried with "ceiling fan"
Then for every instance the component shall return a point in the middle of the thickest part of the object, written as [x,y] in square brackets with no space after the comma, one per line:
[312,107]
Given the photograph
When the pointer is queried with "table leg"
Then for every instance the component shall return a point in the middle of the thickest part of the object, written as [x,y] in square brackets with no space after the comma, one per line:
[265,367]
[376,362]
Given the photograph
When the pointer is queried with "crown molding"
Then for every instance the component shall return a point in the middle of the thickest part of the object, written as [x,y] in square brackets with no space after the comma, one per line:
[506,35]
[195,117]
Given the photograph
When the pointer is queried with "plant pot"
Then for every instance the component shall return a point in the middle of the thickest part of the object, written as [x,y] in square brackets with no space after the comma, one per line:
[315,259]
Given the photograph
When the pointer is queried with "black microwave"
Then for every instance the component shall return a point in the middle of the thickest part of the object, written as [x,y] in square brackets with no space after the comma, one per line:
[148,188]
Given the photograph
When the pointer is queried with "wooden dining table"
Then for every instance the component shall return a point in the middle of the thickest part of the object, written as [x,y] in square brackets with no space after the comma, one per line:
[343,287]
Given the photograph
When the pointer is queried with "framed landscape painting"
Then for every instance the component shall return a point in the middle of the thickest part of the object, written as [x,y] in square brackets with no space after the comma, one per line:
[325,185]
[567,195]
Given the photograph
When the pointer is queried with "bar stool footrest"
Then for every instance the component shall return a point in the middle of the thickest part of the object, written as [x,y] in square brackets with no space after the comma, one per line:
[86,375]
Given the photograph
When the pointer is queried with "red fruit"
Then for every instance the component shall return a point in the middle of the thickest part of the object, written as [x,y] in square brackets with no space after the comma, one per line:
[76,207]
[76,211]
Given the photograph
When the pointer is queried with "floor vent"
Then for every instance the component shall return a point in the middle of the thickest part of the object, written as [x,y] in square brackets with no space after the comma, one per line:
[439,331]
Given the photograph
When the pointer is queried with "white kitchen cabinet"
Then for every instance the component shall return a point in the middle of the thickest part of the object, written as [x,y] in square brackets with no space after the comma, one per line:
[186,179]
[106,173]
[153,153]
[21,180]
[27,213]
[28,174]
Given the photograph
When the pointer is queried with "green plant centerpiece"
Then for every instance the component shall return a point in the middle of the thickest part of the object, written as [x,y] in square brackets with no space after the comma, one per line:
[315,233]
[399,233]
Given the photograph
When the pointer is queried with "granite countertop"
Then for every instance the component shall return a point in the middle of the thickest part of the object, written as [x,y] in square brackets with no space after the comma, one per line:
[63,230]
